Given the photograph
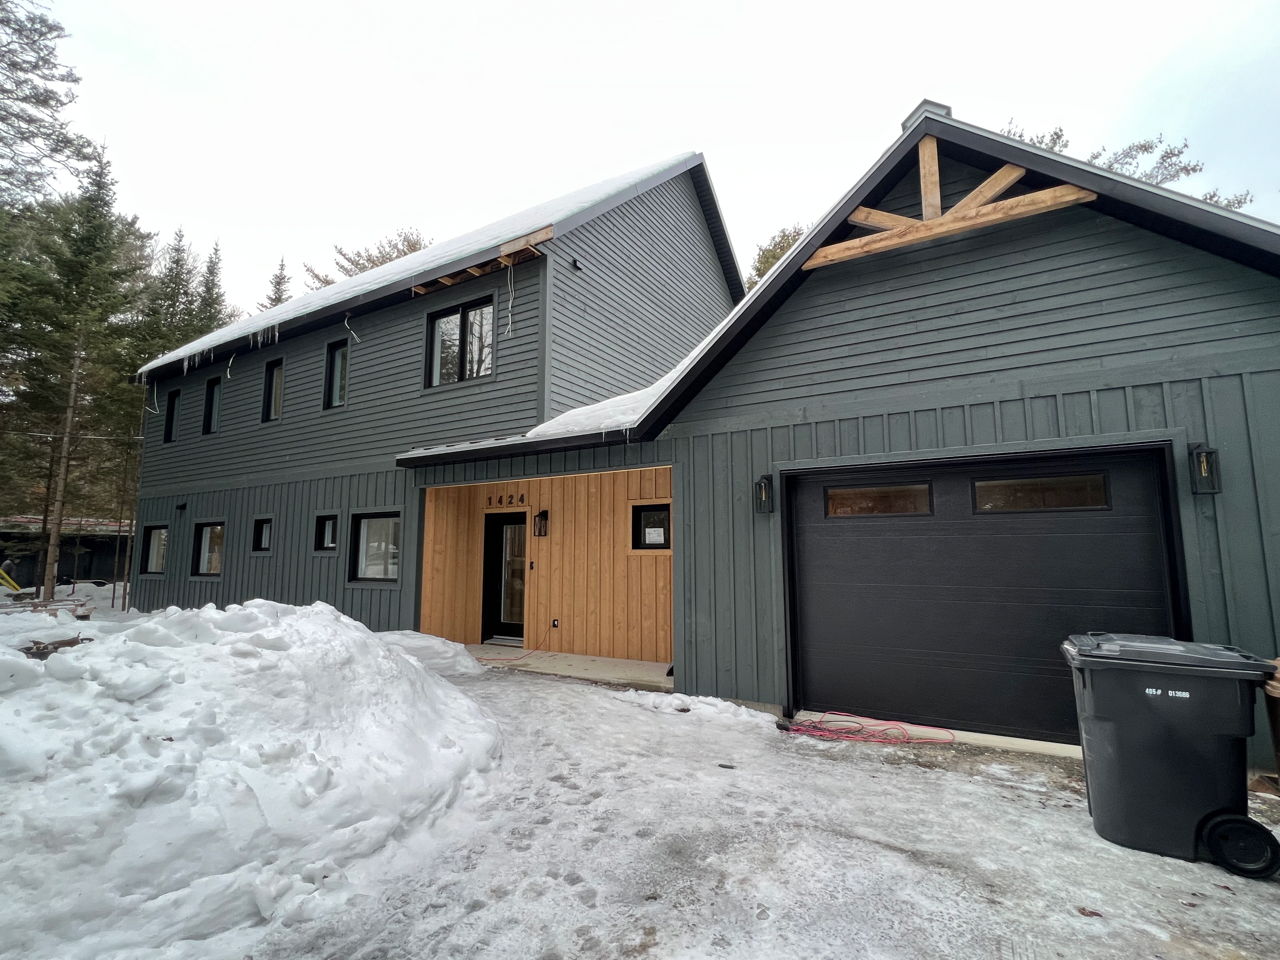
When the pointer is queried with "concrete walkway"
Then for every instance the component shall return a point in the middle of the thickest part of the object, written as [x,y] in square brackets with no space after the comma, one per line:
[639,674]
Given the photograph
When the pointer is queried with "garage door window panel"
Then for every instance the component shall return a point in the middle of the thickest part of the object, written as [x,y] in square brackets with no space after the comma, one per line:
[905,499]
[1041,494]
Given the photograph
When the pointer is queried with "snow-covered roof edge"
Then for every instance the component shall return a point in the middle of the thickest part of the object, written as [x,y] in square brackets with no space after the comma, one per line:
[638,414]
[449,256]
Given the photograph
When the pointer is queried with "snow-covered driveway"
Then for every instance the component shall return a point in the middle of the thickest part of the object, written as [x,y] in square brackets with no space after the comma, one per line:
[621,826]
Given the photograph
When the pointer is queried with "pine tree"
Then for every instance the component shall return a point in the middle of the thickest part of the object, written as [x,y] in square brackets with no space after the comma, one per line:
[351,262]
[211,309]
[773,250]
[279,288]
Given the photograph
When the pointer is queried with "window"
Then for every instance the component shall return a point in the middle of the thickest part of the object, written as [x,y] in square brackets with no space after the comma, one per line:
[172,408]
[377,552]
[651,526]
[261,535]
[273,391]
[335,375]
[1085,492]
[212,403]
[907,498]
[327,532]
[155,542]
[207,560]
[460,344]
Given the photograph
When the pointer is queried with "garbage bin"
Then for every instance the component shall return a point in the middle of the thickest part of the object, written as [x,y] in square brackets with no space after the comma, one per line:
[1163,725]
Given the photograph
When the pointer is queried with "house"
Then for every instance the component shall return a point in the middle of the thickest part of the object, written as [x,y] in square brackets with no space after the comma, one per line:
[995,396]
[269,465]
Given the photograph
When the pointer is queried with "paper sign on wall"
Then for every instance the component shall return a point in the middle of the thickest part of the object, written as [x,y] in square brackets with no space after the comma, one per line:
[653,535]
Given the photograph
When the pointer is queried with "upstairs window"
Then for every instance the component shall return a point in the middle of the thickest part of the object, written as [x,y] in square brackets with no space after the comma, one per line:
[171,410]
[335,375]
[212,404]
[273,391]
[460,344]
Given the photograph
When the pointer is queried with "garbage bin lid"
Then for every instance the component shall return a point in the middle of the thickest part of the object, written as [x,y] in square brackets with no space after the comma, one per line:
[1134,646]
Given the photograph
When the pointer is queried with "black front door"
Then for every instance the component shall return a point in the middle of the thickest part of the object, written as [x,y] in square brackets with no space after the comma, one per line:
[504,568]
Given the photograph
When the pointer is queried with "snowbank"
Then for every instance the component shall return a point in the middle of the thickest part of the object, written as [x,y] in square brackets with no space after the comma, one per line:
[194,771]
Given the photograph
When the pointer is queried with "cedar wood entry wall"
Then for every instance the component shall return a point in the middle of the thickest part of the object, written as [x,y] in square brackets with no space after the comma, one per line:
[611,600]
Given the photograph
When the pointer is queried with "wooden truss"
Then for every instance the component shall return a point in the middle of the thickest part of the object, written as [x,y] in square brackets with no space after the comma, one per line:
[979,209]
[509,254]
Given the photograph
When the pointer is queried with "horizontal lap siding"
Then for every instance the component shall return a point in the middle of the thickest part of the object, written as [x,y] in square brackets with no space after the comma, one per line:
[649,289]
[1067,325]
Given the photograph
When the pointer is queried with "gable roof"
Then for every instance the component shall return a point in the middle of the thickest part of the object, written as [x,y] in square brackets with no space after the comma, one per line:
[371,289]
[643,414]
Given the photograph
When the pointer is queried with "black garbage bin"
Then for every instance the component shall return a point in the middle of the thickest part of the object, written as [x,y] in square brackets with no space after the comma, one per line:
[1163,725]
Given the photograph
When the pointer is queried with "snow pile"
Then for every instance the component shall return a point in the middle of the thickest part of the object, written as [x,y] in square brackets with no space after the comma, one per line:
[199,770]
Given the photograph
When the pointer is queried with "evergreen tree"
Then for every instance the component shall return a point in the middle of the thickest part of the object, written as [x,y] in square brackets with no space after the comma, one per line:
[211,309]
[351,262]
[773,250]
[279,292]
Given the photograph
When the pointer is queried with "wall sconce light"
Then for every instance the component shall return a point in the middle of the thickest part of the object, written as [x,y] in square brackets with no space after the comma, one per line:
[540,523]
[181,506]
[764,494]
[1204,468]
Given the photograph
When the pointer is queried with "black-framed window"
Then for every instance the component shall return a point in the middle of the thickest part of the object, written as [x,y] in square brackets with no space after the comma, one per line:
[155,546]
[206,554]
[172,409]
[273,391]
[885,499]
[335,375]
[263,529]
[327,532]
[460,343]
[1035,494]
[651,526]
[375,546]
[212,405]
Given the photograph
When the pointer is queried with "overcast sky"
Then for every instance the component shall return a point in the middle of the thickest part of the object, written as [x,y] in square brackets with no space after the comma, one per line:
[282,128]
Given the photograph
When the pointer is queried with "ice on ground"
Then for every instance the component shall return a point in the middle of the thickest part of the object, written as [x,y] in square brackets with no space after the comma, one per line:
[197,771]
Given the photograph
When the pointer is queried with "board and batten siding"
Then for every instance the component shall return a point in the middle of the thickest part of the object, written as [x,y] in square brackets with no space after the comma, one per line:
[609,600]
[648,287]
[1066,330]
[292,571]
[388,410]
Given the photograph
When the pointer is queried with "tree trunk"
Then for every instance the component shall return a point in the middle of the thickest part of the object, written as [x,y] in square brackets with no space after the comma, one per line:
[44,517]
[64,469]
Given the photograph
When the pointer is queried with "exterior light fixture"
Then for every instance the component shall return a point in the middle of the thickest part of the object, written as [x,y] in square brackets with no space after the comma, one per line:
[540,523]
[1204,468]
[764,494]
[181,506]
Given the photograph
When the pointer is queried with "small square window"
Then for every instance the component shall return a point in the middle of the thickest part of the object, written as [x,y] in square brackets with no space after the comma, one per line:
[460,344]
[212,405]
[872,501]
[206,560]
[651,526]
[155,544]
[172,409]
[273,391]
[327,532]
[262,528]
[335,375]
[377,546]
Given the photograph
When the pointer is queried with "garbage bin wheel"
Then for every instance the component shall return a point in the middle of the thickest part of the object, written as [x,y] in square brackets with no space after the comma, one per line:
[1243,846]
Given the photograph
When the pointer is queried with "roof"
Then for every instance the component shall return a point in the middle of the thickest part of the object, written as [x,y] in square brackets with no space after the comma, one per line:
[369,289]
[643,414]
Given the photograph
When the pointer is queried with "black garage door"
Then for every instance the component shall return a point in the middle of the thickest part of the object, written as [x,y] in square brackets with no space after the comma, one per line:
[940,595]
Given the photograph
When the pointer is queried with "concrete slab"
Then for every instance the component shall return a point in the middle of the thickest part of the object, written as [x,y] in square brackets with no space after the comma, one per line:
[640,674]
[1042,747]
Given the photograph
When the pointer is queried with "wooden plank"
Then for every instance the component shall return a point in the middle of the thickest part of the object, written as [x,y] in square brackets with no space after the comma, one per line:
[527,241]
[580,586]
[593,563]
[879,219]
[646,485]
[1003,211]
[475,271]
[664,609]
[621,533]
[930,182]
[648,607]
[989,189]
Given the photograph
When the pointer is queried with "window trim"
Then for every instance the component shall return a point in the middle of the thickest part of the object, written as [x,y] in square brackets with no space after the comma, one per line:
[196,529]
[648,504]
[460,308]
[876,484]
[253,535]
[172,414]
[268,394]
[211,421]
[316,517]
[372,513]
[330,350]
[145,552]
[1066,471]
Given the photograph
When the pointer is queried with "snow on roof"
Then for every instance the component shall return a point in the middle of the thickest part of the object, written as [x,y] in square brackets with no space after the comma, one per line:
[439,258]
